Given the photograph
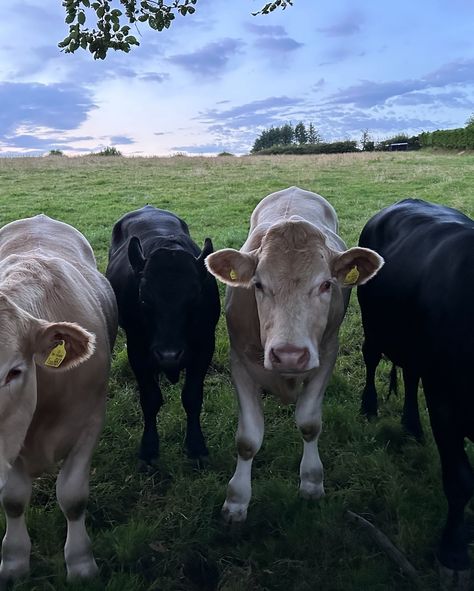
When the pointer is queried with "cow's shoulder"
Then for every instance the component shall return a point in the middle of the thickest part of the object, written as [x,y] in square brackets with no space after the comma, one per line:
[295,201]
[48,236]
[147,223]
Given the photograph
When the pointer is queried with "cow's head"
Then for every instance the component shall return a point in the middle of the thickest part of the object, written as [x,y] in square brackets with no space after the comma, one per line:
[25,343]
[170,287]
[295,277]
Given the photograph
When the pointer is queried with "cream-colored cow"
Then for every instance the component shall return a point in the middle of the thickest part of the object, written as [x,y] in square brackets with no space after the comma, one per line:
[58,323]
[289,287]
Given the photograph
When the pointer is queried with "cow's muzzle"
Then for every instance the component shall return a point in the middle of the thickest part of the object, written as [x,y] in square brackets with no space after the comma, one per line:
[169,360]
[289,359]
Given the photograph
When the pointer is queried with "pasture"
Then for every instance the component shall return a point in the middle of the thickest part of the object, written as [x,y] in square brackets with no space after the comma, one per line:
[161,530]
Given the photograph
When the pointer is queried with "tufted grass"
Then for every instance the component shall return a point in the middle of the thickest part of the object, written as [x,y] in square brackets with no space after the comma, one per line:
[161,531]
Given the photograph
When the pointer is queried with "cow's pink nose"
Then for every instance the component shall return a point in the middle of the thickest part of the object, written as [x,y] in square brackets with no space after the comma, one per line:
[289,357]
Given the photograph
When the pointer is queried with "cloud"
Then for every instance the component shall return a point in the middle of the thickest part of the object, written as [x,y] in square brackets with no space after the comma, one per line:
[447,99]
[369,94]
[211,59]
[159,77]
[201,149]
[262,112]
[121,139]
[267,30]
[277,44]
[348,25]
[54,106]
[29,142]
[272,39]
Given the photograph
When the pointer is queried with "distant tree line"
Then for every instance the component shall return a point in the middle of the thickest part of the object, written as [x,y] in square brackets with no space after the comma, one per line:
[461,138]
[287,135]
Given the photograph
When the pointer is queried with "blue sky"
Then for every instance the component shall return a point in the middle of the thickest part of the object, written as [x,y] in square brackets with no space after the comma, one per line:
[215,79]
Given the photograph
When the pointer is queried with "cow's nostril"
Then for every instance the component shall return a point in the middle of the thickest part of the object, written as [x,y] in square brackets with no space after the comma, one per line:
[274,357]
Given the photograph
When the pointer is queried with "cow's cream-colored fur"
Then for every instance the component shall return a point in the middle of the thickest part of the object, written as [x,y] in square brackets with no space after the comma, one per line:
[50,291]
[286,299]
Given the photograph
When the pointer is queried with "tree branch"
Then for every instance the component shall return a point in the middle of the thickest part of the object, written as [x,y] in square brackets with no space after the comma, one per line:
[386,545]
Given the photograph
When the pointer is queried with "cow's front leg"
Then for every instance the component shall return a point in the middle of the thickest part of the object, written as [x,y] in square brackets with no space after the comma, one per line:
[249,440]
[16,544]
[191,397]
[308,417]
[151,399]
[72,492]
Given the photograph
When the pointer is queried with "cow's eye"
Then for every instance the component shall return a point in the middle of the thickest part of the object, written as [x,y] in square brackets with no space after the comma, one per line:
[258,285]
[325,286]
[12,374]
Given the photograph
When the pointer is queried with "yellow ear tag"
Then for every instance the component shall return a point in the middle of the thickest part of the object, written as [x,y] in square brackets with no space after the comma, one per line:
[56,355]
[233,275]
[352,276]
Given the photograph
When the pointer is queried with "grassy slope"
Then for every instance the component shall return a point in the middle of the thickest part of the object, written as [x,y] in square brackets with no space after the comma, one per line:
[162,531]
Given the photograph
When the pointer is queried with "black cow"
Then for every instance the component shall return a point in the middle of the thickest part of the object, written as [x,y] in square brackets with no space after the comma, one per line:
[419,312]
[168,306]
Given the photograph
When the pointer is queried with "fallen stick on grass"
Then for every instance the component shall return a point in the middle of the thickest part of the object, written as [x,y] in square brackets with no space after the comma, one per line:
[386,545]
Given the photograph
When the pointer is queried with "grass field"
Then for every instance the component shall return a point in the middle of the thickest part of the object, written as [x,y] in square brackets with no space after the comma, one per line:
[162,531]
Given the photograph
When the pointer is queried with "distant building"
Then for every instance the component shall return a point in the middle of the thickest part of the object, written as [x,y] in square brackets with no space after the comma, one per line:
[399,146]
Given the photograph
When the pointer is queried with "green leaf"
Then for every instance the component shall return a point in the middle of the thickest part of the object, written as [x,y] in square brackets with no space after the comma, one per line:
[70,18]
[81,18]
[131,39]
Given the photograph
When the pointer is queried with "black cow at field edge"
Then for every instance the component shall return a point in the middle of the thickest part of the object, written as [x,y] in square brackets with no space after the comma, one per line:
[169,307]
[419,312]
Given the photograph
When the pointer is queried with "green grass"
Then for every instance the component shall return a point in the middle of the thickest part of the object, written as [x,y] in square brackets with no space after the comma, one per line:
[162,531]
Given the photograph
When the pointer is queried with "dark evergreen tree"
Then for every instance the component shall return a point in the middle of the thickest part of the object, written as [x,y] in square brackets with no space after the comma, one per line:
[301,135]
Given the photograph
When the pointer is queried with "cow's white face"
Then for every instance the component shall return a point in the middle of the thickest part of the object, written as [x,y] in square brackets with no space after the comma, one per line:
[295,277]
[26,342]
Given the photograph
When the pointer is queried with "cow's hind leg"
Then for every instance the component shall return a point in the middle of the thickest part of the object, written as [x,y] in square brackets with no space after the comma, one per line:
[411,415]
[372,357]
[16,546]
[72,491]
[191,397]
[458,484]
[151,399]
[249,440]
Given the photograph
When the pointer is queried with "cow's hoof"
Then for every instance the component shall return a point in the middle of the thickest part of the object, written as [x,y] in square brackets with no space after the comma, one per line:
[196,451]
[11,570]
[453,580]
[148,466]
[200,463]
[85,569]
[414,431]
[311,491]
[234,512]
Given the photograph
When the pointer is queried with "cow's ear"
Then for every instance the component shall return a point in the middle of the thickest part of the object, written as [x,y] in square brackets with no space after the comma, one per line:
[207,249]
[135,255]
[232,267]
[355,266]
[62,345]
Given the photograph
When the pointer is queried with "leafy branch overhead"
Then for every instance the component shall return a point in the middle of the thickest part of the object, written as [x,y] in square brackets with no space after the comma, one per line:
[111,25]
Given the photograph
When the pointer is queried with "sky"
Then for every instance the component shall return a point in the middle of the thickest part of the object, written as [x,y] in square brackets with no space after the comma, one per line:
[217,78]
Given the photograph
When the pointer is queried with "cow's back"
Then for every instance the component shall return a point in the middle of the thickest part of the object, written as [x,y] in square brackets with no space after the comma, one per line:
[149,224]
[418,305]
[48,236]
[294,201]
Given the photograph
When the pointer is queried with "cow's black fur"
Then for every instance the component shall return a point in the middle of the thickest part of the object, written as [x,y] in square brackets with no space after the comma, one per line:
[419,312]
[168,306]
